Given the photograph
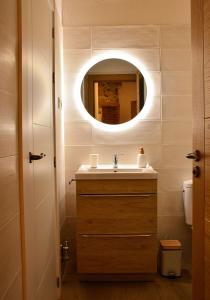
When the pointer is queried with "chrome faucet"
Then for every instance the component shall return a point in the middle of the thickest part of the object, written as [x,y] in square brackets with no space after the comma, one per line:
[115,161]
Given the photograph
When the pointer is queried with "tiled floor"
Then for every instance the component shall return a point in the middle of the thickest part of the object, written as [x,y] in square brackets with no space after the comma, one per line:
[160,289]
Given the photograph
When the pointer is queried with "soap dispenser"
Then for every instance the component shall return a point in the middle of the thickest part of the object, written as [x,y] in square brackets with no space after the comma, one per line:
[141,159]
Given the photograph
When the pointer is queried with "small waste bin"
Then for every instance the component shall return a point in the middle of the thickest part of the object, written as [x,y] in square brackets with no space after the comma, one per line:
[171,258]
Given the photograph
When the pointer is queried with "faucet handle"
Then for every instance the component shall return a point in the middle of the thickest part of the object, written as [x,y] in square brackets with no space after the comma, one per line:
[115,156]
[115,160]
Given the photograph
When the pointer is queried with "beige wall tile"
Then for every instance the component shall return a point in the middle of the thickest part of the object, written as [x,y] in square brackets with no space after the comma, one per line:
[8,24]
[118,12]
[10,256]
[9,204]
[174,156]
[69,175]
[15,290]
[175,36]
[170,180]
[76,155]
[78,133]
[62,210]
[8,54]
[177,132]
[170,203]
[177,83]
[150,58]
[68,229]
[77,37]
[176,60]
[8,124]
[155,110]
[156,81]
[128,154]
[75,59]
[177,107]
[172,227]
[71,113]
[146,132]
[117,37]
[10,259]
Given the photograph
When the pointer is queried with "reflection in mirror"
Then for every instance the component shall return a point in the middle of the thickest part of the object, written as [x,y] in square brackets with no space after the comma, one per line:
[113,91]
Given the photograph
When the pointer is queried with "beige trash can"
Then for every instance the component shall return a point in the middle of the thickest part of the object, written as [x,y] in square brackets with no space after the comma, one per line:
[171,258]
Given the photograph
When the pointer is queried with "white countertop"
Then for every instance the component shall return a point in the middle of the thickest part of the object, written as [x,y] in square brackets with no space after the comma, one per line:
[106,171]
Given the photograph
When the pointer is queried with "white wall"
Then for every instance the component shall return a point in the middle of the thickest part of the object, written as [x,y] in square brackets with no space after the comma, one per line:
[166,134]
[10,241]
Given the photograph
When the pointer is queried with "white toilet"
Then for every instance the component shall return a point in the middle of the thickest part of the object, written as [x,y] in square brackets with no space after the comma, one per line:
[187,198]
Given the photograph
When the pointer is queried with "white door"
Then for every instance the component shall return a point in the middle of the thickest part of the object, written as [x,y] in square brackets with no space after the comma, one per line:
[37,138]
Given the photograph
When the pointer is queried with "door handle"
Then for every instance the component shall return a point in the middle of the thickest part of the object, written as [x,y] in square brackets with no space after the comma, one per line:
[35,157]
[196,156]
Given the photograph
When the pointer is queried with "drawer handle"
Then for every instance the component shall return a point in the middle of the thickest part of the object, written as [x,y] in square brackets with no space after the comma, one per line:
[114,235]
[116,195]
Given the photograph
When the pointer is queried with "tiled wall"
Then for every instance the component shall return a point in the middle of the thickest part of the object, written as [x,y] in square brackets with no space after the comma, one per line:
[10,257]
[166,134]
[126,12]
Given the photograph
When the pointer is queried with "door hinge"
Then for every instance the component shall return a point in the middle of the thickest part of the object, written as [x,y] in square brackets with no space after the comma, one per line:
[53,77]
[54,162]
[53,32]
[58,282]
[59,103]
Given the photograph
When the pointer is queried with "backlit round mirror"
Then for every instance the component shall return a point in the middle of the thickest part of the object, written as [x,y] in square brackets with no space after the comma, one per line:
[113,91]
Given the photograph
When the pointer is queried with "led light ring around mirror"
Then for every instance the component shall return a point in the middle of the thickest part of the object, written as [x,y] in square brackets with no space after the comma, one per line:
[113,55]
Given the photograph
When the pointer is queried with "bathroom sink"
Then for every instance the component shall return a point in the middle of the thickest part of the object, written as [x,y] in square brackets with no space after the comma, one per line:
[106,171]
[120,168]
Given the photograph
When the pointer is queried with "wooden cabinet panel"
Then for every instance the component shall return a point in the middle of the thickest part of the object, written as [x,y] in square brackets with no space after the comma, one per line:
[117,186]
[108,214]
[116,227]
[115,254]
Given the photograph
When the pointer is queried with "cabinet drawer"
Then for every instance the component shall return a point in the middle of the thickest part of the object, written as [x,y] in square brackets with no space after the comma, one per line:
[109,254]
[117,186]
[120,214]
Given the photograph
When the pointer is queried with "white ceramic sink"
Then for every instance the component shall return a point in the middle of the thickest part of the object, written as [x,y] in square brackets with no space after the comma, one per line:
[120,168]
[106,171]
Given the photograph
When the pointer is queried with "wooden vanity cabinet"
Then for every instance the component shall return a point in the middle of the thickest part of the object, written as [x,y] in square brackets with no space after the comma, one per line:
[117,227]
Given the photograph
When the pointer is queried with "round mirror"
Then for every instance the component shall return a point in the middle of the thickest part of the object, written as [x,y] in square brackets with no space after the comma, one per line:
[113,91]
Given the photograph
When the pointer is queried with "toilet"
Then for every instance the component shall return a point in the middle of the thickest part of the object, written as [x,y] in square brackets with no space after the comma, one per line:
[187,198]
